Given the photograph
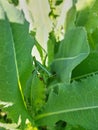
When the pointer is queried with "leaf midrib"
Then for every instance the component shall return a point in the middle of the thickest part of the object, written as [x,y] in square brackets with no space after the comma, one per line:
[70,58]
[84,75]
[64,111]
[16,65]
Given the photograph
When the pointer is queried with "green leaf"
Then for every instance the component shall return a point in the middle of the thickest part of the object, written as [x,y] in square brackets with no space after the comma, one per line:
[35,93]
[78,128]
[77,104]
[51,46]
[72,50]
[15,61]
[41,51]
[70,19]
[88,17]
[82,17]
[90,65]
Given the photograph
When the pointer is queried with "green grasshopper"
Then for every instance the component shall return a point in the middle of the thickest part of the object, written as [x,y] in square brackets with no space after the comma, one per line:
[41,70]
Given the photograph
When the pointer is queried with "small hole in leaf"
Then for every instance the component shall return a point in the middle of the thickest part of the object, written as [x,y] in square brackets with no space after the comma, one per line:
[60,124]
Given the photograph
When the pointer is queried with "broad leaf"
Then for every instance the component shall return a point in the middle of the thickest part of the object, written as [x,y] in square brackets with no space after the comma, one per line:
[72,50]
[15,61]
[89,20]
[88,17]
[90,65]
[77,104]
